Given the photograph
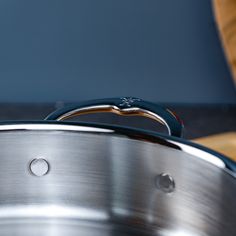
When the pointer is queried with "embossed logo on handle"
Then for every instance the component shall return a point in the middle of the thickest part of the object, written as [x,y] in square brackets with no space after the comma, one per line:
[128,101]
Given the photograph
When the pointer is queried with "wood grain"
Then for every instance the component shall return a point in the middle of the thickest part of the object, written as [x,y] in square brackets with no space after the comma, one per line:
[225,15]
[224,143]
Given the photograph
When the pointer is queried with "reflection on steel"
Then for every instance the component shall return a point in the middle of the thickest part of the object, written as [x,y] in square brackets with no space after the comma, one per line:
[103,182]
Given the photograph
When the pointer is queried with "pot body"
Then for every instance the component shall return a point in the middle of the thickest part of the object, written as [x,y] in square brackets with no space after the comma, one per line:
[61,179]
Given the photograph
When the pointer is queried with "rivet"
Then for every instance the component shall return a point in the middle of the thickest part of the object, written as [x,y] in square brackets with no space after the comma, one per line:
[39,167]
[165,182]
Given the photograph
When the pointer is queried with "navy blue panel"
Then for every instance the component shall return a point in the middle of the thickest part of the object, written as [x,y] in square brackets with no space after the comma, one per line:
[72,50]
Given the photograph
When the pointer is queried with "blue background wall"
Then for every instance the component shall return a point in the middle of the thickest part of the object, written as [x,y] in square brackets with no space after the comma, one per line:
[70,50]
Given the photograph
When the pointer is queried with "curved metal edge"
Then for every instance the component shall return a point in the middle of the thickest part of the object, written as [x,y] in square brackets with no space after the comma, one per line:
[123,106]
[186,146]
[114,109]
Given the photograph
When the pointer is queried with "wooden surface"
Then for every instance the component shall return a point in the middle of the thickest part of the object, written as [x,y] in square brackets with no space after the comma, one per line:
[225,14]
[224,143]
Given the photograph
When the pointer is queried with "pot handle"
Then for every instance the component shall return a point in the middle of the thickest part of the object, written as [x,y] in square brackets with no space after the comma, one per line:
[127,106]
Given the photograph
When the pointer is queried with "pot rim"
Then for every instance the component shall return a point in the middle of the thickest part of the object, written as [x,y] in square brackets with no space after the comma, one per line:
[196,150]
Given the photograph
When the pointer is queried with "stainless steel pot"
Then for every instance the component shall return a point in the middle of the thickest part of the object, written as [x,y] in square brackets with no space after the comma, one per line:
[61,178]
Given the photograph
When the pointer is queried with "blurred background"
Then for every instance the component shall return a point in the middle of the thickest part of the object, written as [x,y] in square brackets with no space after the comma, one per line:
[164,51]
[54,52]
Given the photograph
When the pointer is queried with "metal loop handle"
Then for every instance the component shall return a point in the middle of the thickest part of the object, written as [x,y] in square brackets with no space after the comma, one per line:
[127,106]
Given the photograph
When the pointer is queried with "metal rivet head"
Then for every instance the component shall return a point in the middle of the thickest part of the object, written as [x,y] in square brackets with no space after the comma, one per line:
[165,182]
[39,167]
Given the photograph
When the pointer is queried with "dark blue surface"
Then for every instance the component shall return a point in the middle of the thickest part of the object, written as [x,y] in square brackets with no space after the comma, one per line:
[166,51]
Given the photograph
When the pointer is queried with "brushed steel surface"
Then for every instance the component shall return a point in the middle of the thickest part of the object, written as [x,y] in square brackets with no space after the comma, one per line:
[104,183]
